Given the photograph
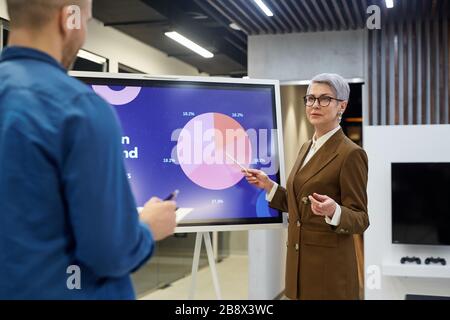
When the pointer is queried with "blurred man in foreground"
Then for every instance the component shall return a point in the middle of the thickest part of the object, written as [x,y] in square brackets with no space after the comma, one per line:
[69,228]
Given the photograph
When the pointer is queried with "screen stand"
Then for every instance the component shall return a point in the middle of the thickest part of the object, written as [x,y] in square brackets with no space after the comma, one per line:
[212,264]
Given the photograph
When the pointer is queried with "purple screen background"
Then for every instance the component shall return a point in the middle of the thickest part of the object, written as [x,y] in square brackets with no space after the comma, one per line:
[149,121]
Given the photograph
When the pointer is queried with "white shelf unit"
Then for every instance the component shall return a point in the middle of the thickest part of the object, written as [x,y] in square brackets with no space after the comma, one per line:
[416,270]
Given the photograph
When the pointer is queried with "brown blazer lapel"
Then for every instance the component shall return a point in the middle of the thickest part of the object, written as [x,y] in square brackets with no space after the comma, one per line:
[320,159]
[302,154]
[293,209]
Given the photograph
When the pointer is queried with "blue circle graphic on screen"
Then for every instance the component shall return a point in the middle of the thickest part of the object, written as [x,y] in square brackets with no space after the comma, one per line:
[262,206]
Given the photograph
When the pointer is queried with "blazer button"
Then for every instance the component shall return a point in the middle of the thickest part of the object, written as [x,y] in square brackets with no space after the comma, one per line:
[296,247]
[298,223]
[305,200]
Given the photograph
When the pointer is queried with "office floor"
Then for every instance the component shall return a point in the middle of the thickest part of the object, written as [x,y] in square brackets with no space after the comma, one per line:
[233,280]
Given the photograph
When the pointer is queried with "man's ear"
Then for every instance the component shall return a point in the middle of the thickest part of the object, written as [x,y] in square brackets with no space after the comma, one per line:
[62,22]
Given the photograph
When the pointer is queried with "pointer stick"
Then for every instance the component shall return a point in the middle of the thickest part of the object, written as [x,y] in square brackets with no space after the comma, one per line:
[235,161]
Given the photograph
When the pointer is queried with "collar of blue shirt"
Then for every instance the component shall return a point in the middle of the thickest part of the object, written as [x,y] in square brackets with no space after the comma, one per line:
[15,52]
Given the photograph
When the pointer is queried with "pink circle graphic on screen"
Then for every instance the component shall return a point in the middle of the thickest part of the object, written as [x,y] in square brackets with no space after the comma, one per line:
[211,149]
[117,97]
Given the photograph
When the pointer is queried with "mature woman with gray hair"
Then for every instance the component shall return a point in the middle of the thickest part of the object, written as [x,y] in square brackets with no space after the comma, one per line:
[326,199]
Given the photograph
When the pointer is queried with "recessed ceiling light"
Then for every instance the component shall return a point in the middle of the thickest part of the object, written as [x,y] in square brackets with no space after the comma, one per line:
[197,15]
[264,7]
[234,26]
[189,44]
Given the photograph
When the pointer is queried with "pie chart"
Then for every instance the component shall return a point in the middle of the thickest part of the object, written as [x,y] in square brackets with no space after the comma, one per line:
[210,149]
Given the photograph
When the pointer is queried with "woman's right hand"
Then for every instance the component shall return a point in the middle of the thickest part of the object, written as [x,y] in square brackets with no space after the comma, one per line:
[259,179]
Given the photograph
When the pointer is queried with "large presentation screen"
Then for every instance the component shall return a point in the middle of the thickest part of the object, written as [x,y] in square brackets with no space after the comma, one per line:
[195,136]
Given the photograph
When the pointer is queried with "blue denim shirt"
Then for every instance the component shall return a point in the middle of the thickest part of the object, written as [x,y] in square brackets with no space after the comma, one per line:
[65,198]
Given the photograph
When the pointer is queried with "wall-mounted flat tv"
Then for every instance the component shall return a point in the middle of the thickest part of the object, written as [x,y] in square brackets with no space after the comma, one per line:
[421,203]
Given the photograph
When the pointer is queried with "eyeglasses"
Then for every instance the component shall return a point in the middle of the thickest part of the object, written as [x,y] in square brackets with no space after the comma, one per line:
[324,101]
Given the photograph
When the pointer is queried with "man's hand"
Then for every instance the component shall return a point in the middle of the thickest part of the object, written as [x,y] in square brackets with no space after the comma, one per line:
[160,217]
[258,178]
[322,205]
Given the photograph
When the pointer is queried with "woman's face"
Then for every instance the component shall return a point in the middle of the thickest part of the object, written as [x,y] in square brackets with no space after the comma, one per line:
[324,116]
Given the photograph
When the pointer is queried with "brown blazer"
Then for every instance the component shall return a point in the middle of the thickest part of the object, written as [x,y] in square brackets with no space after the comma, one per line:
[321,259]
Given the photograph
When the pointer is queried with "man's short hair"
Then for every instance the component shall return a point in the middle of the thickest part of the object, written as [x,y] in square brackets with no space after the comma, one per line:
[35,13]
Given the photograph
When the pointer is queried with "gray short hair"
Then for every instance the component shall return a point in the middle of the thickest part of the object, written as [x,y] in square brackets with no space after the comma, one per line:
[336,82]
